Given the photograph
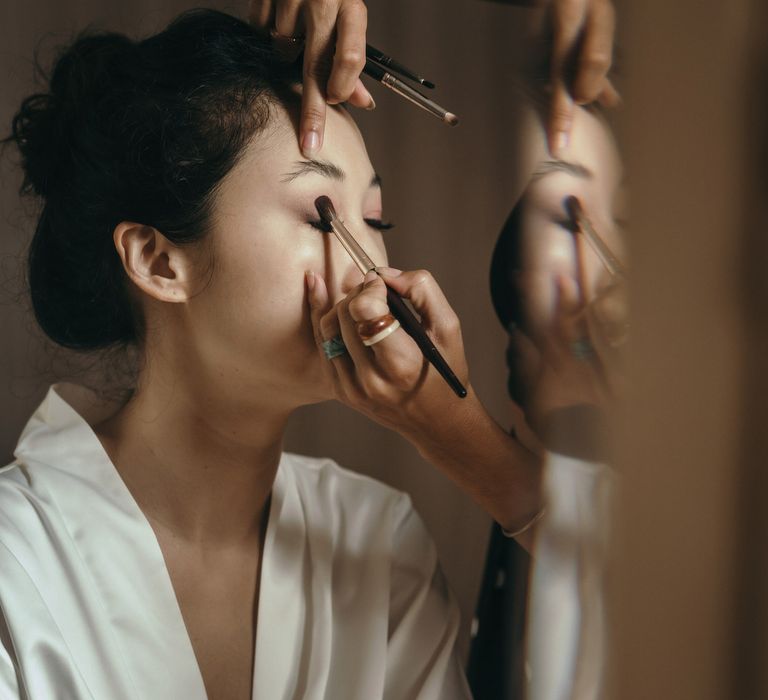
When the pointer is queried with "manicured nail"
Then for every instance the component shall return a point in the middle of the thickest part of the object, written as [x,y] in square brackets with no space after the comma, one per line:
[562,139]
[311,143]
[390,271]
[311,293]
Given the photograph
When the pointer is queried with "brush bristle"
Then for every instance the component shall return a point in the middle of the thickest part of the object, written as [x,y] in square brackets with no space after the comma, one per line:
[450,119]
[325,208]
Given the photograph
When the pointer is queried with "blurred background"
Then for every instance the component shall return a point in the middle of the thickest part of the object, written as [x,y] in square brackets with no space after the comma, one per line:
[689,612]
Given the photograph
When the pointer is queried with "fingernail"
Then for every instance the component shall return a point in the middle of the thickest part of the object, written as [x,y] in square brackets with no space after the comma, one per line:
[562,139]
[310,277]
[311,143]
[370,277]
[389,271]
[371,105]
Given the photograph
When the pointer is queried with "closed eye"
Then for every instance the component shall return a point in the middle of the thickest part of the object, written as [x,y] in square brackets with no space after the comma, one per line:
[377,224]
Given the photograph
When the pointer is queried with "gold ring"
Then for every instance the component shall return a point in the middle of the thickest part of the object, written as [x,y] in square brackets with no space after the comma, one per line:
[375,330]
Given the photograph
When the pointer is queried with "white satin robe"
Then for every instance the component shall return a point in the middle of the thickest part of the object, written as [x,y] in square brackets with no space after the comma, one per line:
[352,602]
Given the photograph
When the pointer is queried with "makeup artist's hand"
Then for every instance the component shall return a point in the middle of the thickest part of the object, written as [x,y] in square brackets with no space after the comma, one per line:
[332,33]
[574,369]
[582,53]
[392,383]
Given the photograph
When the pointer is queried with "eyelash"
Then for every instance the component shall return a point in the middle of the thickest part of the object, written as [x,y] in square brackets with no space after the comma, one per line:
[377,224]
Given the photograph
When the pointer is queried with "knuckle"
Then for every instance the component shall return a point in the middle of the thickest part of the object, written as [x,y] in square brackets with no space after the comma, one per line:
[452,324]
[596,62]
[422,277]
[350,58]
[561,115]
[361,307]
[374,389]
[317,68]
[313,116]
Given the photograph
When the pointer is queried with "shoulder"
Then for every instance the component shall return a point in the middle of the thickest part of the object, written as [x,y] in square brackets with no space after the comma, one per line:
[348,502]
[327,479]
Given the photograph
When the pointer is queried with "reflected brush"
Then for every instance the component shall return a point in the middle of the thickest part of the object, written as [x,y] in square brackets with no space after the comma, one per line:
[607,257]
[400,311]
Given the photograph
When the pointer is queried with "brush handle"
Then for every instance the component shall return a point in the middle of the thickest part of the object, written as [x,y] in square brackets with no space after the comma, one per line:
[412,327]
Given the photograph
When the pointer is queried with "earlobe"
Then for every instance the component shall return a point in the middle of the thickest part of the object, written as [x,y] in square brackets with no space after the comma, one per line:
[152,262]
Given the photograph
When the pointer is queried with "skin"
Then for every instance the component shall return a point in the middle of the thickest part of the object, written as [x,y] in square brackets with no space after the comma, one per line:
[232,348]
[334,41]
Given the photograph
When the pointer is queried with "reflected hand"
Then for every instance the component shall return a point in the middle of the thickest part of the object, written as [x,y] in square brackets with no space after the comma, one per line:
[583,40]
[333,36]
[576,371]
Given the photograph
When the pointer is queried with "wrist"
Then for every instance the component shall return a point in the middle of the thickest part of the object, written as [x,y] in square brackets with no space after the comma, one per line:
[494,468]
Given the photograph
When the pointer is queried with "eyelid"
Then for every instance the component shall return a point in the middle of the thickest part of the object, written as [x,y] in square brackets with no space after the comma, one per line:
[379,225]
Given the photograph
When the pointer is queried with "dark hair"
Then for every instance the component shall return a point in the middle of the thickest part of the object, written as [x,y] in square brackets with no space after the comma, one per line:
[134,131]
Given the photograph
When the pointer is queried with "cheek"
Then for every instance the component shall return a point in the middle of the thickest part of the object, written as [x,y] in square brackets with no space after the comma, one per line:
[257,296]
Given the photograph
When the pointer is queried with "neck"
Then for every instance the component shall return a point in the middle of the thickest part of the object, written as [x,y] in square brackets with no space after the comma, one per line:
[200,464]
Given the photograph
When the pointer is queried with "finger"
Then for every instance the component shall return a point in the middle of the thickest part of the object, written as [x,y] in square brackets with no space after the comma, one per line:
[317,67]
[288,20]
[360,97]
[325,325]
[395,358]
[568,20]
[596,52]
[426,297]
[610,96]
[570,323]
[560,120]
[349,55]
[261,14]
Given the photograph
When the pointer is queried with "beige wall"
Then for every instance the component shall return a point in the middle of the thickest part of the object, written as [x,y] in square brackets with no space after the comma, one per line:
[689,584]
[449,190]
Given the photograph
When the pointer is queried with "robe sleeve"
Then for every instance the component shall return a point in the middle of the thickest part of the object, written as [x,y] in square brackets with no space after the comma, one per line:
[422,662]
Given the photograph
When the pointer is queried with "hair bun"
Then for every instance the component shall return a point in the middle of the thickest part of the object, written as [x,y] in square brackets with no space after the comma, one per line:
[48,127]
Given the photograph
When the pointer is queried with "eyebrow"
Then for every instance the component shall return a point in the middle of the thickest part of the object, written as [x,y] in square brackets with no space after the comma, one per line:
[324,168]
[561,166]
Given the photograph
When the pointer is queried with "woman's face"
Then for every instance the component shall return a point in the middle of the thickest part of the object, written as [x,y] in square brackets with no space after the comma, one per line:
[250,326]
[590,169]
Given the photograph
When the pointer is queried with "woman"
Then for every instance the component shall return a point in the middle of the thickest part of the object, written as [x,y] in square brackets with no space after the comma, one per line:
[166,547]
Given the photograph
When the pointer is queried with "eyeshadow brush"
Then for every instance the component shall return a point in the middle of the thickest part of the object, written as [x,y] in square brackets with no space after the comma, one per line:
[400,311]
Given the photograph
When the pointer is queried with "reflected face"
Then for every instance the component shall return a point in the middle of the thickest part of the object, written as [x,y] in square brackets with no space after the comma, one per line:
[591,170]
[251,324]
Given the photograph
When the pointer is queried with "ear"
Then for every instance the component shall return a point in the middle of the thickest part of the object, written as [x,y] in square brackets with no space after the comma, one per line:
[154,264]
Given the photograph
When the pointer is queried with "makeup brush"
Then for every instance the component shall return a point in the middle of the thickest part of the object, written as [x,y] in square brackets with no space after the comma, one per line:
[395,66]
[400,311]
[386,78]
[612,263]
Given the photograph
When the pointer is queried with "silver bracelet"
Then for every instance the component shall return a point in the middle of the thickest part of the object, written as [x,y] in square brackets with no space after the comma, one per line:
[525,527]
